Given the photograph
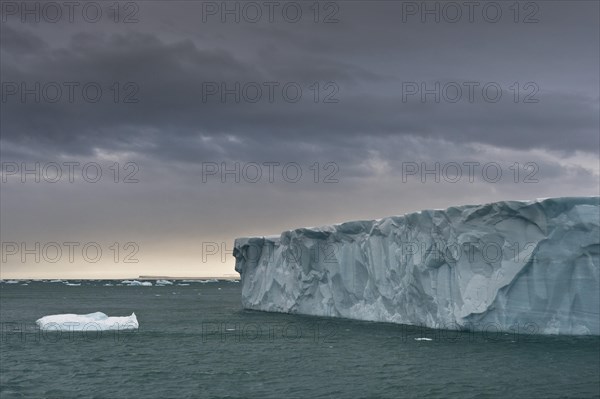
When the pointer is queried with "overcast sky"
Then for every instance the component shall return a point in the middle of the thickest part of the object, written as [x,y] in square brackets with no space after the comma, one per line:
[329,114]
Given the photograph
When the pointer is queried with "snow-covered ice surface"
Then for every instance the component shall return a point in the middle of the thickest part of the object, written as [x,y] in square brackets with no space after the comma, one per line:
[519,266]
[97,321]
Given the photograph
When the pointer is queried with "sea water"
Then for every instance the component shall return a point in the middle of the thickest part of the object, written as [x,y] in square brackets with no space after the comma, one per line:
[195,340]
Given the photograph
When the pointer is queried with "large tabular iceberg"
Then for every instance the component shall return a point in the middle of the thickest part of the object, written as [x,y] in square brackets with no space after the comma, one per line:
[521,266]
[97,321]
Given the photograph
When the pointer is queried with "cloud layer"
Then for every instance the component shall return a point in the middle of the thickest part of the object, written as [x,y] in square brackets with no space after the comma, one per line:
[381,92]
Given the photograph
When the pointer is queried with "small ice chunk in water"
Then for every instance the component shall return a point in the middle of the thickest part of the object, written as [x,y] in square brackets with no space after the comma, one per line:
[97,321]
[423,339]
[133,283]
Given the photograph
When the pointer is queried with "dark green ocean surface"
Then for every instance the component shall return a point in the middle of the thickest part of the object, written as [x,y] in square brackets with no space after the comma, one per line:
[196,341]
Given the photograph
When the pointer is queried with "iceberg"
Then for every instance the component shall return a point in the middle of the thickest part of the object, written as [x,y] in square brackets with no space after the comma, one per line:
[513,266]
[97,321]
[135,283]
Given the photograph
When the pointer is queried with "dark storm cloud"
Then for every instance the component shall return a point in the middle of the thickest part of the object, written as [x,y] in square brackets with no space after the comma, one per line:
[370,133]
[172,115]
[21,42]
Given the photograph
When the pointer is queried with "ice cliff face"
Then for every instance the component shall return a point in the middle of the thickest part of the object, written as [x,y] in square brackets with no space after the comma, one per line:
[510,266]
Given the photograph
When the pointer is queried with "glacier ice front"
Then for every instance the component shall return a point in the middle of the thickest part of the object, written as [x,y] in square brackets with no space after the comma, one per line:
[97,321]
[520,266]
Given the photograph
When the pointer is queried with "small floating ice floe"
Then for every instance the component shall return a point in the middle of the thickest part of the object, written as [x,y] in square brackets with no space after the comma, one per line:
[163,282]
[97,321]
[183,284]
[423,339]
[134,283]
[12,282]
[73,284]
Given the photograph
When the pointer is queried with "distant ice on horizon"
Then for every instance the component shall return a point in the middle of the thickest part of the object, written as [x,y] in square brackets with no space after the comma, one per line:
[133,283]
